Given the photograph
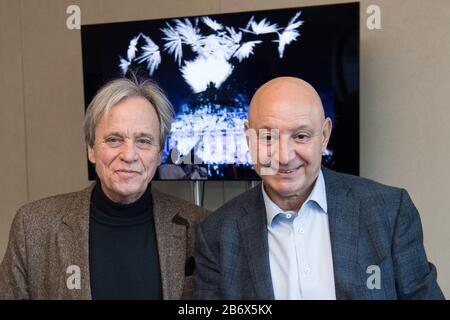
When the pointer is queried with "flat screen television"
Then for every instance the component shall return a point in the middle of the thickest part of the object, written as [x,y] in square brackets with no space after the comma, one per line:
[210,66]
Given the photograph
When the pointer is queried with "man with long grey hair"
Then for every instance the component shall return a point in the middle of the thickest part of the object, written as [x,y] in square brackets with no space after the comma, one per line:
[118,238]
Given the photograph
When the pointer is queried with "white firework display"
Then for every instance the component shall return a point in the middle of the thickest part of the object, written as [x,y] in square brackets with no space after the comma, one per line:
[214,51]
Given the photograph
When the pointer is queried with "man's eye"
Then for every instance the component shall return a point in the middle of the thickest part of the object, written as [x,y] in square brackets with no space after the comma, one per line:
[302,137]
[113,141]
[144,141]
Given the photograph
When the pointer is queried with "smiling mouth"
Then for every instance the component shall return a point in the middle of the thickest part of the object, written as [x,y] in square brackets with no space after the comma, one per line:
[127,172]
[287,172]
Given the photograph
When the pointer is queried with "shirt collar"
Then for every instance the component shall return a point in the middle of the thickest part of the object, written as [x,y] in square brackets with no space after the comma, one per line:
[317,195]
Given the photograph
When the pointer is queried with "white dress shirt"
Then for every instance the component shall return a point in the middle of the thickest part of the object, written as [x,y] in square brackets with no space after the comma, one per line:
[301,262]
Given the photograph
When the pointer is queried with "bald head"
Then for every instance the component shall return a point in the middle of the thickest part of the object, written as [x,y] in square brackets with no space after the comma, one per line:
[286,91]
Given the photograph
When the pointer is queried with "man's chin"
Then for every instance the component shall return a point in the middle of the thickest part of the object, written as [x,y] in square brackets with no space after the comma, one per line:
[287,192]
[284,188]
[125,189]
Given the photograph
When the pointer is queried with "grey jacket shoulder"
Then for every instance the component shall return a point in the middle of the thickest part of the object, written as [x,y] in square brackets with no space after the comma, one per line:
[362,187]
[47,214]
[235,208]
[377,200]
[53,206]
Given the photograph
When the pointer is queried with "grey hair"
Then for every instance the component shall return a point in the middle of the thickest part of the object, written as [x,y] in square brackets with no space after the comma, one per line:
[114,92]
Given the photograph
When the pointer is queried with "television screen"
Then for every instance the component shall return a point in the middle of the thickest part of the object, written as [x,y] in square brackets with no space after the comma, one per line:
[210,66]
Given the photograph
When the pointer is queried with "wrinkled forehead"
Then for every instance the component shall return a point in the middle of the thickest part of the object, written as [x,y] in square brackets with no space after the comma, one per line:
[130,113]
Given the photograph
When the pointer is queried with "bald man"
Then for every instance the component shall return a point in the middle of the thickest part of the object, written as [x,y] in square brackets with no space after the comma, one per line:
[308,232]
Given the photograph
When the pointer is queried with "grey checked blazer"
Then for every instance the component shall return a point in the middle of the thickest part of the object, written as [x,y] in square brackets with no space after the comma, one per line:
[370,224]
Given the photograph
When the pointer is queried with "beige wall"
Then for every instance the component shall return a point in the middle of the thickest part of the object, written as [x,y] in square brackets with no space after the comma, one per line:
[13,181]
[405,94]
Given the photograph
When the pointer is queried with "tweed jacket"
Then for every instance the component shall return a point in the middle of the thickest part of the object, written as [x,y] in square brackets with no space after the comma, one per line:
[49,243]
[370,225]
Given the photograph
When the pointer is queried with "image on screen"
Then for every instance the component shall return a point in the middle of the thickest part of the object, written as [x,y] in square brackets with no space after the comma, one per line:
[210,66]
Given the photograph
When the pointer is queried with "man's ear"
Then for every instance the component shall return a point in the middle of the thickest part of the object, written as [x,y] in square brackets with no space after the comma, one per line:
[246,126]
[326,133]
[91,154]
[160,154]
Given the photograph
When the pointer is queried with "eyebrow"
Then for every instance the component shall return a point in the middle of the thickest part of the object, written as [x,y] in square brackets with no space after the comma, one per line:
[114,133]
[138,135]
[144,134]
[302,127]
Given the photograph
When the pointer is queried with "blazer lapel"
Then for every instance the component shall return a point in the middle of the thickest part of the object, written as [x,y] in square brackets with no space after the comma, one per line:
[171,241]
[73,245]
[343,215]
[170,236]
[253,230]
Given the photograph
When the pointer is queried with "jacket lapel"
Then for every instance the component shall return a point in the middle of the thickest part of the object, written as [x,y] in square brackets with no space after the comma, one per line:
[170,236]
[343,215]
[73,245]
[253,230]
[171,241]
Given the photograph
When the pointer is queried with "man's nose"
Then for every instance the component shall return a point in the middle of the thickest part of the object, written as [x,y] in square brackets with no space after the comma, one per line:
[285,152]
[128,152]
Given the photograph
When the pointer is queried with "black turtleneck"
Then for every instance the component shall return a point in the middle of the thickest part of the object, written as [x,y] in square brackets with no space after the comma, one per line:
[123,256]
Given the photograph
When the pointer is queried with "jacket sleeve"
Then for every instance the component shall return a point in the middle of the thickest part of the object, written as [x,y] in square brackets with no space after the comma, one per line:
[13,269]
[207,270]
[416,278]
